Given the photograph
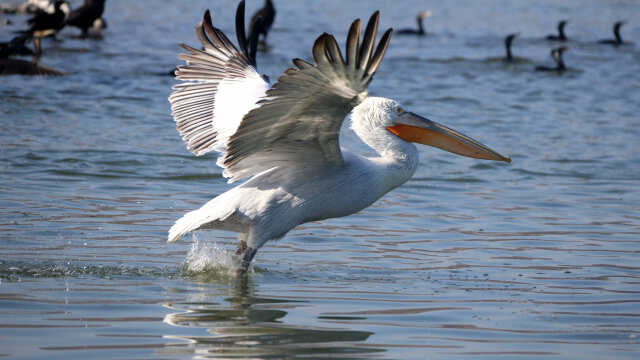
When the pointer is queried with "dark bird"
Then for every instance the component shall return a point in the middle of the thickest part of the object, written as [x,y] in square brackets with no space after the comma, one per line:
[22,67]
[44,24]
[561,36]
[248,46]
[262,20]
[420,31]
[85,16]
[616,32]
[507,45]
[9,66]
[15,46]
[556,55]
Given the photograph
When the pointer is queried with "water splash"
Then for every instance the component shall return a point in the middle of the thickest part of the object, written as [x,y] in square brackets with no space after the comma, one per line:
[209,257]
[15,271]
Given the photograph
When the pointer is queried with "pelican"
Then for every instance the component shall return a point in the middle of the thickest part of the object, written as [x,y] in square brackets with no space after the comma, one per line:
[616,32]
[283,138]
[556,55]
[561,36]
[419,19]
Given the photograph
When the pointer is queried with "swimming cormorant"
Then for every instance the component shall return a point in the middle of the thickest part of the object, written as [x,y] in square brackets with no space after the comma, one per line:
[616,32]
[15,46]
[22,67]
[420,31]
[561,36]
[9,66]
[556,55]
[507,45]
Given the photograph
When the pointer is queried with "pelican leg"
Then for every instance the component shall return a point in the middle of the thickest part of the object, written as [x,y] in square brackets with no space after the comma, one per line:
[246,254]
[242,247]
[246,259]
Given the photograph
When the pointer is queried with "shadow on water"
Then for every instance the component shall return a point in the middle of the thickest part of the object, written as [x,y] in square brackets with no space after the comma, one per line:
[246,324]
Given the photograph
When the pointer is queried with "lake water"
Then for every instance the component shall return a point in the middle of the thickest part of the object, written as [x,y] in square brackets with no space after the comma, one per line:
[468,260]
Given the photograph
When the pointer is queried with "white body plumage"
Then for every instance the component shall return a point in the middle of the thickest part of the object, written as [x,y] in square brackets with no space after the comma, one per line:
[284,138]
[275,201]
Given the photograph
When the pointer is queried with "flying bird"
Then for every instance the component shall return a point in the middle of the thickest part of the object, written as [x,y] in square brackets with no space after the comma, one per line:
[420,20]
[283,138]
[561,36]
[556,55]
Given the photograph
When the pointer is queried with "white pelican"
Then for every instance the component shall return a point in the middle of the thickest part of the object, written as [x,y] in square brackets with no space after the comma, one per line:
[284,137]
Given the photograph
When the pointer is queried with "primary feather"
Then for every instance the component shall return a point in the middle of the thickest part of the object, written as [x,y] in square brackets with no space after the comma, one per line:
[229,108]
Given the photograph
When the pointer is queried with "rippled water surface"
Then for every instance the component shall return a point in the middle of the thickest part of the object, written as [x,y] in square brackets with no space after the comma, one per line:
[468,260]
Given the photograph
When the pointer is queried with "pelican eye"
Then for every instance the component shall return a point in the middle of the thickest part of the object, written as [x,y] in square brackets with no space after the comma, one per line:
[398,110]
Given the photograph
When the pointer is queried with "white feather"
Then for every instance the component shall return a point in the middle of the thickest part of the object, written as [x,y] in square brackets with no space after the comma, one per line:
[234,99]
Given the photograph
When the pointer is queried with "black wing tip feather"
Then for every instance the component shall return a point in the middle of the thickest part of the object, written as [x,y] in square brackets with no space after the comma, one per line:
[248,45]
[241,34]
[206,18]
[365,56]
[363,60]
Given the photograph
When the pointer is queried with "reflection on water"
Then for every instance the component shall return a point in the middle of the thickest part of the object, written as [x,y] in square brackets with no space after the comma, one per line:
[246,325]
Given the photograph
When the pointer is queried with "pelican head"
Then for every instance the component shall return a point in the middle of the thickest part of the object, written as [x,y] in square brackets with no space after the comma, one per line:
[376,118]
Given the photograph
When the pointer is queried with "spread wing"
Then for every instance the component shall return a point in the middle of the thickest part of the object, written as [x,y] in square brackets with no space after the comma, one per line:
[298,122]
[226,105]
[221,86]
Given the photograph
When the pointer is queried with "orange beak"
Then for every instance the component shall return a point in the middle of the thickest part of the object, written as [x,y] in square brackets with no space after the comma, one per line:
[414,128]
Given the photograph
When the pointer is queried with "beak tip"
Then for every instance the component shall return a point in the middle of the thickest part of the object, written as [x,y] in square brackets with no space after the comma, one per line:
[507,160]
